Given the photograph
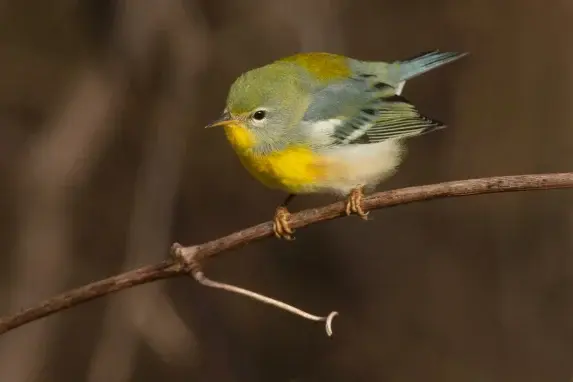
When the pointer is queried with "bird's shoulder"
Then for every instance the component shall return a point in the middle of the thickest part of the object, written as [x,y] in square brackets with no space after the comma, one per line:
[322,66]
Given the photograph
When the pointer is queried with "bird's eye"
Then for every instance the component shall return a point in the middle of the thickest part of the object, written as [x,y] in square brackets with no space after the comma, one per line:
[259,115]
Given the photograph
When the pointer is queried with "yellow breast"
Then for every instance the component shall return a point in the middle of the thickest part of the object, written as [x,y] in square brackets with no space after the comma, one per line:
[295,169]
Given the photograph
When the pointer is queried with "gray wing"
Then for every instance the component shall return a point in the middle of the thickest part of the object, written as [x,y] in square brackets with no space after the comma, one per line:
[367,111]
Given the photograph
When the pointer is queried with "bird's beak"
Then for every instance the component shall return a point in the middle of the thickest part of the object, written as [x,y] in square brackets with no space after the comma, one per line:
[224,119]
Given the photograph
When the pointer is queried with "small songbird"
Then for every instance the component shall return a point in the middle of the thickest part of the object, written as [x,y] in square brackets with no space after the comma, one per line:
[325,123]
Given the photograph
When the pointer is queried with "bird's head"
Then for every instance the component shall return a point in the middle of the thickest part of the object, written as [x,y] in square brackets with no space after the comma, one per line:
[263,104]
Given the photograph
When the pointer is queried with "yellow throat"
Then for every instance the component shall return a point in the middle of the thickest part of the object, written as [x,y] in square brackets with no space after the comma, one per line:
[240,137]
[293,169]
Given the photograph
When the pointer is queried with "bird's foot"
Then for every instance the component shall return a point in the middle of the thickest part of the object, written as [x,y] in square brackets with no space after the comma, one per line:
[354,203]
[280,224]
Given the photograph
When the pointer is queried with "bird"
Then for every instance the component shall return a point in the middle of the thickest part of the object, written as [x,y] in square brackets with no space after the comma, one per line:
[325,123]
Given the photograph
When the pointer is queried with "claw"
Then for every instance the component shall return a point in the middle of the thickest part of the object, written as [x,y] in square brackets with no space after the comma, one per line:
[354,203]
[280,224]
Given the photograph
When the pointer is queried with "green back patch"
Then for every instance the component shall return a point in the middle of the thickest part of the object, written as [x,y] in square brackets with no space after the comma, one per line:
[324,66]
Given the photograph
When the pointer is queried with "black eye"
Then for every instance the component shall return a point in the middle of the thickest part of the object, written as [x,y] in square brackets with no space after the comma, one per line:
[259,115]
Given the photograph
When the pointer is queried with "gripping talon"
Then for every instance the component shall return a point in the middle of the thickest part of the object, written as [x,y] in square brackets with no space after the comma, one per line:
[348,207]
[354,203]
[281,226]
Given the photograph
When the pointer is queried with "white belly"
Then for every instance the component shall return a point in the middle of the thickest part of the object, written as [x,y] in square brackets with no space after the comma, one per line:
[360,165]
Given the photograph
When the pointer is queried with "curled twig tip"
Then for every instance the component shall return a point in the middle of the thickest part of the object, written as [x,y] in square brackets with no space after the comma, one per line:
[328,320]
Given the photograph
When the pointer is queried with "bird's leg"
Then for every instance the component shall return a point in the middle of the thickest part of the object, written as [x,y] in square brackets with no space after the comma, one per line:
[280,222]
[354,203]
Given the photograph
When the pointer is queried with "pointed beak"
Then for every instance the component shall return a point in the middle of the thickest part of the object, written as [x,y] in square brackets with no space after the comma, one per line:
[224,119]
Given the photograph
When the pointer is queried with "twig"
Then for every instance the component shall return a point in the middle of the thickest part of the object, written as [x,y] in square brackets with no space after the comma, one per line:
[195,271]
[202,279]
[199,253]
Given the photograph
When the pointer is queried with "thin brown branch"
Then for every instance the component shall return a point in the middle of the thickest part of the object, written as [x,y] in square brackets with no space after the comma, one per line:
[198,253]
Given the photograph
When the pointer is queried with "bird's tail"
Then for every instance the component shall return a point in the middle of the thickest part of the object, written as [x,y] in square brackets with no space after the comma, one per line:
[424,62]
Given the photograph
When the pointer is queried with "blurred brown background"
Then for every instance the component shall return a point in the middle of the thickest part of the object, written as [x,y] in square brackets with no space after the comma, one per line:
[104,163]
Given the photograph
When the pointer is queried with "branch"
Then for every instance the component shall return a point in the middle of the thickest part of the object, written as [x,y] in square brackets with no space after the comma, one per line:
[193,255]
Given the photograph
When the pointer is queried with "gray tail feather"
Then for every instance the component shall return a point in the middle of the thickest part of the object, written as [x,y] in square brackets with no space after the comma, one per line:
[424,62]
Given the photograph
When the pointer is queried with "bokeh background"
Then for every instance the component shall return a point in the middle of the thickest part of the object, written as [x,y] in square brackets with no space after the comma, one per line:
[104,163]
